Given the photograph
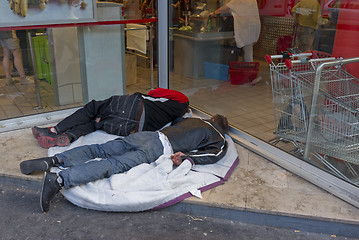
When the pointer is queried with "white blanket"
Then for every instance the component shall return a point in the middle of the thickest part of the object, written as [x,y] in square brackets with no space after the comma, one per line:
[147,186]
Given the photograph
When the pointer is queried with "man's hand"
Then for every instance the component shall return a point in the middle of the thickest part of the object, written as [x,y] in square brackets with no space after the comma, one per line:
[212,14]
[176,158]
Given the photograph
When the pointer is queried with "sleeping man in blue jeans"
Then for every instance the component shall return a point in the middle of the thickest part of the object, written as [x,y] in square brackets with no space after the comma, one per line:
[197,140]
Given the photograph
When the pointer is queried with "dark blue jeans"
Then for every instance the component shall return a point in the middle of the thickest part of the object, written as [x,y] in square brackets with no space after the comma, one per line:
[115,156]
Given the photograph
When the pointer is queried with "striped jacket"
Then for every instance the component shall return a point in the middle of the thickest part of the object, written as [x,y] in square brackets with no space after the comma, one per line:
[119,114]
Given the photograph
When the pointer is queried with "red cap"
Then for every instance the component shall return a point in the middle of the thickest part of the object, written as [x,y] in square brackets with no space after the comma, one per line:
[169,94]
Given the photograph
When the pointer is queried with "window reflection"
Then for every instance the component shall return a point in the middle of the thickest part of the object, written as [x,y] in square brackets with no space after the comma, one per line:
[205,50]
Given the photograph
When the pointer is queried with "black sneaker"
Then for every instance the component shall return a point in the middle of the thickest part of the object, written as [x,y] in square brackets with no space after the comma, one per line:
[50,187]
[37,165]
[39,132]
[48,141]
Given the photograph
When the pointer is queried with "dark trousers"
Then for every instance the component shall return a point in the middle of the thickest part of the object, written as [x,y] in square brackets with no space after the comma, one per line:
[117,113]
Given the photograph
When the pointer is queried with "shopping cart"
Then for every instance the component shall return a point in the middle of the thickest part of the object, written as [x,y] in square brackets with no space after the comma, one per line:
[316,104]
[333,127]
[292,88]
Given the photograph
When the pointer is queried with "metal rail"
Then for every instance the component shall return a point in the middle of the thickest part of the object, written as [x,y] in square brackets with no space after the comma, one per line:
[36,80]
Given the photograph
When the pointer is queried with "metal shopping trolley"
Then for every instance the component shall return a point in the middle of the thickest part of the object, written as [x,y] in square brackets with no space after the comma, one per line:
[316,104]
[333,126]
[292,88]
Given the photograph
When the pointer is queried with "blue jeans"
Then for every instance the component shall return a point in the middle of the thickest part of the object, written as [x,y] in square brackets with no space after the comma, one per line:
[116,156]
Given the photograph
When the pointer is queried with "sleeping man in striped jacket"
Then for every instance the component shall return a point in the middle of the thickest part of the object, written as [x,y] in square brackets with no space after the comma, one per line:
[196,140]
[119,115]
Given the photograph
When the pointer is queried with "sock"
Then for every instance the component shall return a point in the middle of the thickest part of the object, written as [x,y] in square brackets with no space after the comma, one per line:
[60,181]
[52,161]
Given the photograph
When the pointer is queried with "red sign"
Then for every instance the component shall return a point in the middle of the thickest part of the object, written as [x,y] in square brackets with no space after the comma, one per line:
[275,7]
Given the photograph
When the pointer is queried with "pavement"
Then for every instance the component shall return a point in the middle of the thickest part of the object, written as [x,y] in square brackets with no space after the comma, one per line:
[21,220]
[260,201]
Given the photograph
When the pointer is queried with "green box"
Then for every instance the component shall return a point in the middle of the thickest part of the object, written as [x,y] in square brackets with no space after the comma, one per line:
[42,57]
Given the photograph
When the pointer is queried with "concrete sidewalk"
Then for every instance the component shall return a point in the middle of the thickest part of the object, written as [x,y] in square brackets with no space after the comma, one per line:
[256,187]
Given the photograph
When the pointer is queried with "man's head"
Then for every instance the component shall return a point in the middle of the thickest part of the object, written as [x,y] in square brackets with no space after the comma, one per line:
[221,122]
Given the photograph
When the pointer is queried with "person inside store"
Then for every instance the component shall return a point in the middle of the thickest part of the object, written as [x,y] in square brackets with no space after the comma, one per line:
[11,46]
[307,15]
[247,25]
[200,141]
[118,115]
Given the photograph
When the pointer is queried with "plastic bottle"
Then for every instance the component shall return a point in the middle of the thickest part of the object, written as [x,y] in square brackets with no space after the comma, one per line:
[209,25]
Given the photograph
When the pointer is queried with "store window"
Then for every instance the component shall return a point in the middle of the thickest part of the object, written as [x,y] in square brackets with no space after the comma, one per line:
[73,57]
[219,69]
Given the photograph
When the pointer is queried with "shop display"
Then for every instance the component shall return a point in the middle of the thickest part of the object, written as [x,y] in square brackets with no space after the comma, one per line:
[21,6]
[43,12]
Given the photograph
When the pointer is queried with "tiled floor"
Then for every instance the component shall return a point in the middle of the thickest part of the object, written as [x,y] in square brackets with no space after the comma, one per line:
[247,107]
[256,184]
[21,100]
